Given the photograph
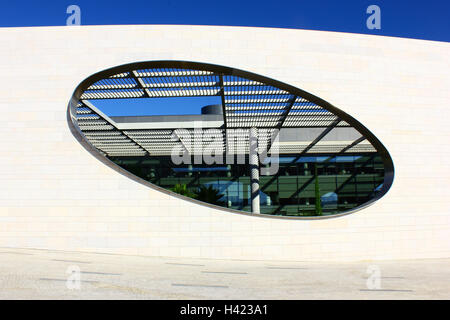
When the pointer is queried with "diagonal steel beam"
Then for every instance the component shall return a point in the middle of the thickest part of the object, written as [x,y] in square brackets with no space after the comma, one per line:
[303,187]
[351,145]
[110,121]
[312,144]
[319,137]
[286,111]
[222,97]
[354,173]
[139,83]
[327,161]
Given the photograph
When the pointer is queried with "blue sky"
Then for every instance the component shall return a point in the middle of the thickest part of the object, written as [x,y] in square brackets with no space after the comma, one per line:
[154,106]
[401,18]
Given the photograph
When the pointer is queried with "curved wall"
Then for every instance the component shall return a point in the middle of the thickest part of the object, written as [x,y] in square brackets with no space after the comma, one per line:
[84,133]
[54,194]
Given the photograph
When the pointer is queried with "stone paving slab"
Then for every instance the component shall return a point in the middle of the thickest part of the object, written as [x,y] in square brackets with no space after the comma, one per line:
[50,274]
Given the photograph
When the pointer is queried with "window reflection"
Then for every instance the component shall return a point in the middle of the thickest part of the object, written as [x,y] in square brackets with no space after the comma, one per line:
[344,182]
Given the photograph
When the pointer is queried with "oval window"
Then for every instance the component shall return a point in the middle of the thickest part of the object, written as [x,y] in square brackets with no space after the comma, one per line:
[231,138]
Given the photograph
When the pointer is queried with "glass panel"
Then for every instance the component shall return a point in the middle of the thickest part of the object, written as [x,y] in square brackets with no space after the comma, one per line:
[133,117]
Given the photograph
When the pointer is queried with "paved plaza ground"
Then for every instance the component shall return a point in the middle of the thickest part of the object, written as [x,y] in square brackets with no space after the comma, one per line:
[48,274]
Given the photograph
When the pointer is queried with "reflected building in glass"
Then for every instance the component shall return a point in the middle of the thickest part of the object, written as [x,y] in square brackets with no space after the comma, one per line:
[264,147]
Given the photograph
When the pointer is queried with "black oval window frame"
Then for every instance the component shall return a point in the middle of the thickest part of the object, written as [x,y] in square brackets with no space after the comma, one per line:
[376,143]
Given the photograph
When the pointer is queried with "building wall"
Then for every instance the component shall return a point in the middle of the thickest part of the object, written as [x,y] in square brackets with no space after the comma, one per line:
[54,194]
